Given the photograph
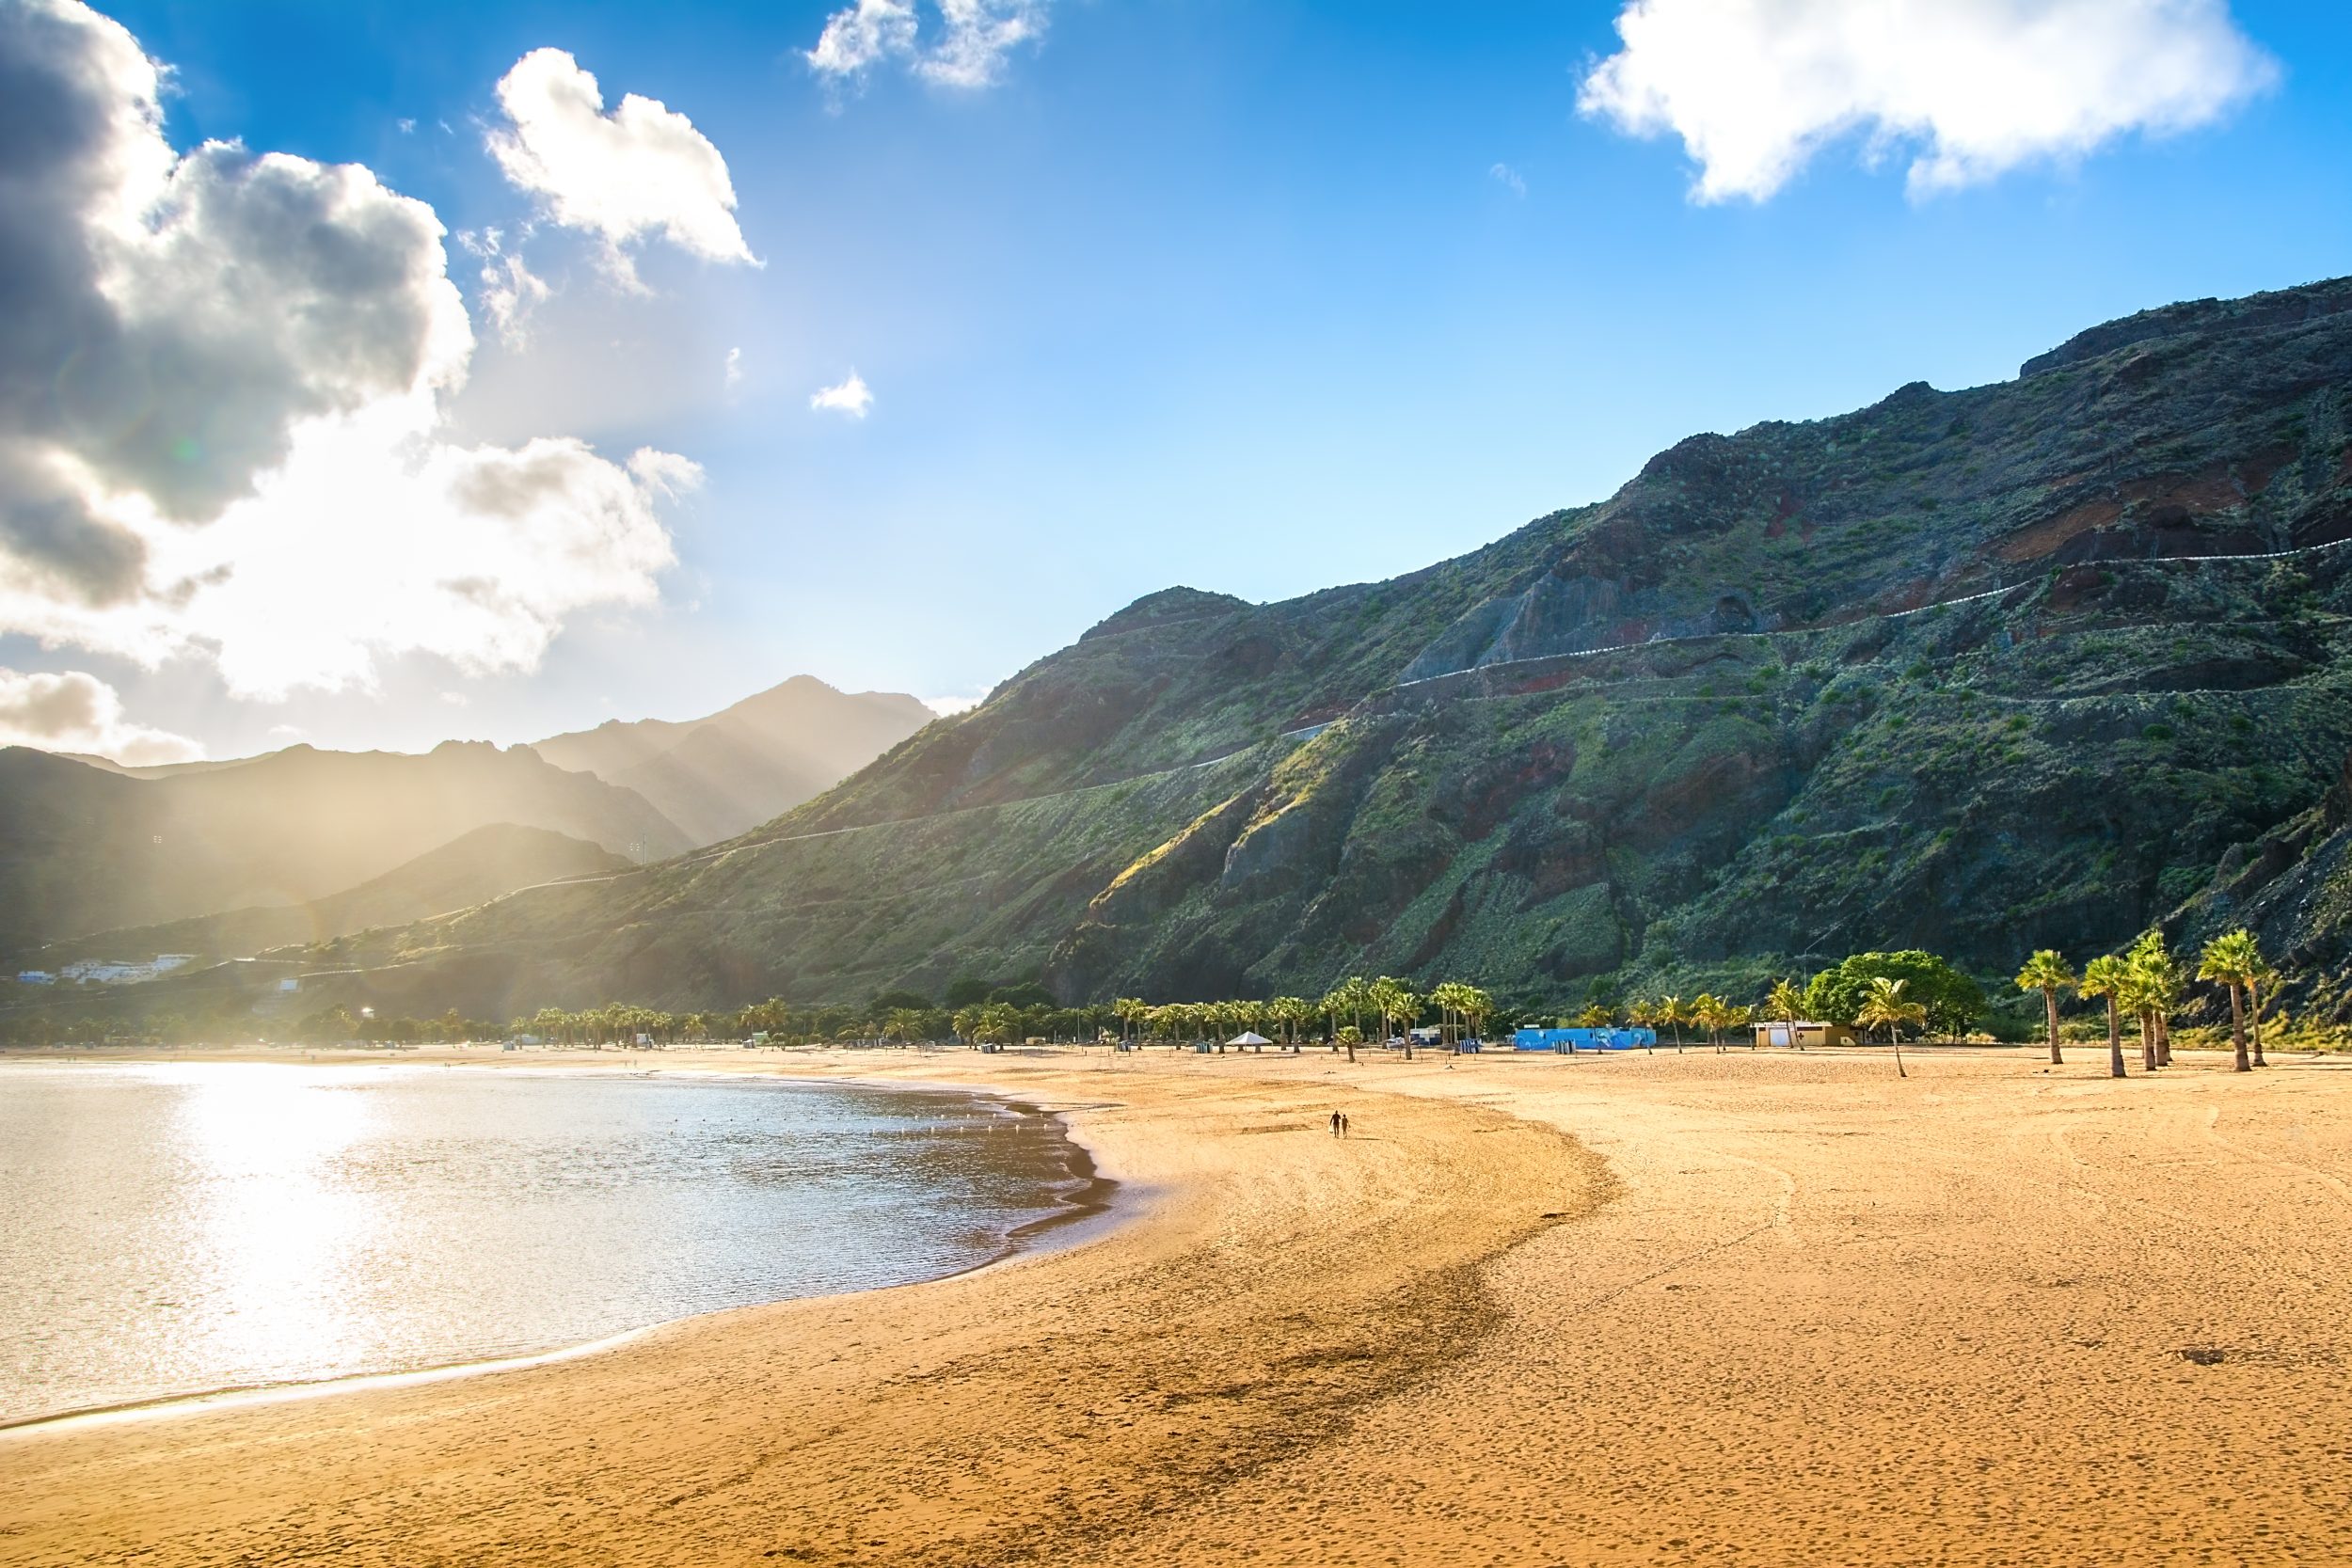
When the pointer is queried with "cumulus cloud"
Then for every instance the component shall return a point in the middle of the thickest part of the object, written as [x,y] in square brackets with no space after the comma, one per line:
[221,383]
[967,50]
[851,397]
[78,712]
[1967,89]
[642,169]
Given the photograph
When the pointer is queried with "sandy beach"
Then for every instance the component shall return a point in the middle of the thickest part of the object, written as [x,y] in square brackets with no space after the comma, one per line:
[1682,1308]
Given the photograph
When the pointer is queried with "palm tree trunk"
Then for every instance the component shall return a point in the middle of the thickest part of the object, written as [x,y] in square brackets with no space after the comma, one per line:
[2114,1040]
[2049,1004]
[2147,1042]
[1895,1039]
[2237,1027]
[2164,1040]
[2254,997]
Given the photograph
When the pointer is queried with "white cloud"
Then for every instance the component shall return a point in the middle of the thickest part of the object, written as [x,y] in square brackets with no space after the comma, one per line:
[246,458]
[947,707]
[851,397]
[857,39]
[78,712]
[1508,178]
[1968,89]
[642,169]
[407,127]
[510,292]
[973,37]
[734,368]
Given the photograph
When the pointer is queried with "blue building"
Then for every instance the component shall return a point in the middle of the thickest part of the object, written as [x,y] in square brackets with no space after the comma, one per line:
[1565,1040]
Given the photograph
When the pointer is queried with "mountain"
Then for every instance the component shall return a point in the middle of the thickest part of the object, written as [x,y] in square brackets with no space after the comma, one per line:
[471,869]
[722,775]
[2041,663]
[83,849]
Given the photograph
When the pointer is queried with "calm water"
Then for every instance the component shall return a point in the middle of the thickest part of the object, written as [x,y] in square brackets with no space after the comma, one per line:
[174,1229]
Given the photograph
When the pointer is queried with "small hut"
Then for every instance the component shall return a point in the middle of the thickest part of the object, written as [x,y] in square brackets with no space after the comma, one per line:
[1804,1035]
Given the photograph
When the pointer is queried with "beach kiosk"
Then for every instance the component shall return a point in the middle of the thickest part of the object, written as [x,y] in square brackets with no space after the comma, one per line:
[1567,1041]
[1804,1035]
[1251,1038]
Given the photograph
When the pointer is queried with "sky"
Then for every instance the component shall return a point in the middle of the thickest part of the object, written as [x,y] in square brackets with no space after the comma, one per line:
[377,374]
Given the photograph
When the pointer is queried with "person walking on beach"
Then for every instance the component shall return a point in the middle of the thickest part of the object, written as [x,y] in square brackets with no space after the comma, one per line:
[1338,1121]
[1343,1124]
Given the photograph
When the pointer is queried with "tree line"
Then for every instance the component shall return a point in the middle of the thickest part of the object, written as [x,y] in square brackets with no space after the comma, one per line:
[1889,995]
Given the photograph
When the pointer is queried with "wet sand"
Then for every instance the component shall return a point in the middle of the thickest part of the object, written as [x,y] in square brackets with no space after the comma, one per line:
[1656,1309]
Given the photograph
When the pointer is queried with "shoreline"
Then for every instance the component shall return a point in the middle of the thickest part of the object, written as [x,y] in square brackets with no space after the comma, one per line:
[1085,1199]
[1647,1309]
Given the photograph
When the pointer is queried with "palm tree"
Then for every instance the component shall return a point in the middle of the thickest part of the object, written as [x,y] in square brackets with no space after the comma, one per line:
[2230,960]
[1132,1011]
[1290,1011]
[1670,1013]
[1884,1003]
[2263,977]
[1443,996]
[1707,1011]
[1595,1016]
[1645,1015]
[2108,977]
[1785,1003]
[1350,998]
[1396,1003]
[2163,989]
[1476,1007]
[1349,1036]
[2048,973]
[2141,994]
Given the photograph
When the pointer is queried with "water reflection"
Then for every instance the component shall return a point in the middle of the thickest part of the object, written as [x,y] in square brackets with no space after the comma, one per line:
[179,1228]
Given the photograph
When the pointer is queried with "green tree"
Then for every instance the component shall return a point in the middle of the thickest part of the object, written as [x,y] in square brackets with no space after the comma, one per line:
[1646,1015]
[1885,1005]
[2230,960]
[1350,999]
[1399,1008]
[1476,1008]
[2048,973]
[2263,979]
[1595,1016]
[1953,1000]
[2108,977]
[2160,990]
[1786,1003]
[1671,1015]
[1290,1012]
[1706,1012]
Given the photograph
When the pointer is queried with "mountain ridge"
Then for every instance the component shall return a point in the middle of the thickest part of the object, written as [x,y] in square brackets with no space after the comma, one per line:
[1971,670]
[729,771]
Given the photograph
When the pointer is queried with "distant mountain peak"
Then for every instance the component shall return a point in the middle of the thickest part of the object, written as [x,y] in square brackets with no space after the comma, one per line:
[1168,604]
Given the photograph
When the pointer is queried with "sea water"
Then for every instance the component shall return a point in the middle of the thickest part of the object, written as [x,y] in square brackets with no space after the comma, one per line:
[175,1229]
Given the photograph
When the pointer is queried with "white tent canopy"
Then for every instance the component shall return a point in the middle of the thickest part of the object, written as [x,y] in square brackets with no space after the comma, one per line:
[1249,1037]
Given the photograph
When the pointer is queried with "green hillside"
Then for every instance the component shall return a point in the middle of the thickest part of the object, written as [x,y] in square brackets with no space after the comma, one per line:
[2038,663]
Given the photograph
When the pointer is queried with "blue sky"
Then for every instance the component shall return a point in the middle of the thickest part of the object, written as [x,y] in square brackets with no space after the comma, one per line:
[1259,297]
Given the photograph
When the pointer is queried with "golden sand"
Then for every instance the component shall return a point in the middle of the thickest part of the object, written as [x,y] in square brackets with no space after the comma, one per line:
[1680,1308]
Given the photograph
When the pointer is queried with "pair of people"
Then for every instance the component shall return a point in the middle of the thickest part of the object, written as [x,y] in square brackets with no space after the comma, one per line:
[1338,1124]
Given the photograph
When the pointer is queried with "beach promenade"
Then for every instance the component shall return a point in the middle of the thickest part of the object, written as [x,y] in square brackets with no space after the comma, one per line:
[1680,1308]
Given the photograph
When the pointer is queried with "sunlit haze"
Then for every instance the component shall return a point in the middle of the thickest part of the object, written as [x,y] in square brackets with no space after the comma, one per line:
[635,359]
